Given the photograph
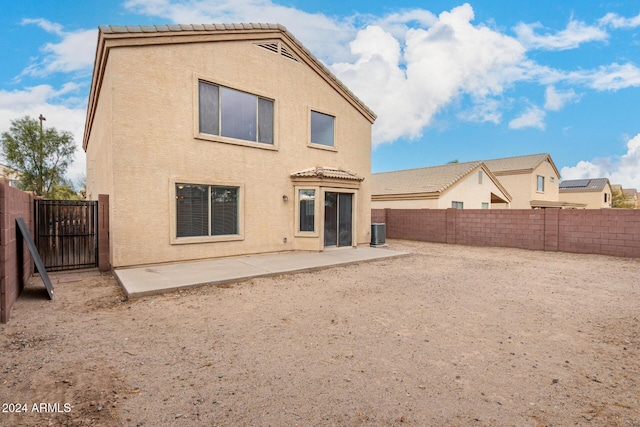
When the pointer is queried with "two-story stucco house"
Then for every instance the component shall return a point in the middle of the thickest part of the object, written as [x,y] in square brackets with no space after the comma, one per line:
[532,181]
[222,140]
[456,185]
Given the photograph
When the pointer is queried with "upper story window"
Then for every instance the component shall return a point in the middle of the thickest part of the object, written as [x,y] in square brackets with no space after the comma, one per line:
[322,129]
[540,185]
[234,114]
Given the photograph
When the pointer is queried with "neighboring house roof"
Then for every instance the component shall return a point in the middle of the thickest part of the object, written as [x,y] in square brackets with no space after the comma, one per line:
[432,180]
[519,164]
[115,36]
[583,185]
[558,204]
[322,172]
[630,193]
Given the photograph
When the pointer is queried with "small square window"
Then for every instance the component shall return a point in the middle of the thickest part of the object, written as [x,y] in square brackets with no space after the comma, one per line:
[485,205]
[457,205]
[322,129]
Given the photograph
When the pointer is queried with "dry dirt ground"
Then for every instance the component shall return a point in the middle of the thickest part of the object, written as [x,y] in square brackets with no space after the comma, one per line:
[446,336]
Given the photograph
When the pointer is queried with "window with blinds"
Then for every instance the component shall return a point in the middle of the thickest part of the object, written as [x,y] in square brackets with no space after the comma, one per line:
[204,210]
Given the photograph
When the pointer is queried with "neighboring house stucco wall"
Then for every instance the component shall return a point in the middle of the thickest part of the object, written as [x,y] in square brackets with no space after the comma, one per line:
[467,190]
[593,199]
[405,204]
[522,185]
[144,139]
[9,174]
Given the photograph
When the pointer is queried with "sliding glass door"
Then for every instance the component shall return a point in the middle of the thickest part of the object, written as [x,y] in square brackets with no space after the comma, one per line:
[338,219]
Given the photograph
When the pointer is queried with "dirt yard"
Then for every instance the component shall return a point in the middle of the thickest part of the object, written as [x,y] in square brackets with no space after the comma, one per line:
[446,336]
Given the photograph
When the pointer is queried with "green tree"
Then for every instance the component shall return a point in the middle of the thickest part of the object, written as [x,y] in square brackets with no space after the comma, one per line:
[64,190]
[42,156]
[618,199]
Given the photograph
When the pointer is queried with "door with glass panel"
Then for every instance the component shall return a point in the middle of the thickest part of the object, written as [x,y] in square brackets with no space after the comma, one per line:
[338,219]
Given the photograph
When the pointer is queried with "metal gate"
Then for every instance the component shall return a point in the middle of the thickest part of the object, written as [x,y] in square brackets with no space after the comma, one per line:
[66,233]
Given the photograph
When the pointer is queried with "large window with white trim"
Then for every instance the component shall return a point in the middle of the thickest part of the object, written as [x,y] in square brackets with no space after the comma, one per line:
[206,210]
[231,113]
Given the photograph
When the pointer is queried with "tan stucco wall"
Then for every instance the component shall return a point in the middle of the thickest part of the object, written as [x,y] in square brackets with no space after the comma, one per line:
[405,204]
[153,144]
[467,190]
[593,199]
[523,186]
[99,179]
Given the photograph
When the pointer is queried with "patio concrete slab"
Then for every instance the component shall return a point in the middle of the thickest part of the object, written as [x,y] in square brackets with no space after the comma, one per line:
[155,279]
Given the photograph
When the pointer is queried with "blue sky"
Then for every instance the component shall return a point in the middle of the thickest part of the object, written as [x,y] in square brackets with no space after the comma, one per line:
[449,80]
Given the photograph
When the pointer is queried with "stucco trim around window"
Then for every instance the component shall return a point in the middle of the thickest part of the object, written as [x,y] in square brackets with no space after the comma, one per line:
[174,240]
[334,146]
[539,183]
[316,211]
[197,134]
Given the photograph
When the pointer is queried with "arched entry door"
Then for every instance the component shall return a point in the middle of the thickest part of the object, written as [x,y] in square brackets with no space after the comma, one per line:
[338,218]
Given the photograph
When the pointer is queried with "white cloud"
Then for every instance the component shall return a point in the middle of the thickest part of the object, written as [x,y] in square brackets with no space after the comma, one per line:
[616,21]
[582,170]
[611,77]
[624,170]
[533,117]
[327,37]
[571,37]
[46,100]
[484,110]
[48,26]
[555,100]
[75,52]
[406,84]
[408,65]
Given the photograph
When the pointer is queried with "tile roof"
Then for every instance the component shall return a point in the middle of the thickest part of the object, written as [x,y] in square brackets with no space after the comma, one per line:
[112,29]
[516,163]
[322,172]
[583,185]
[434,179]
[556,204]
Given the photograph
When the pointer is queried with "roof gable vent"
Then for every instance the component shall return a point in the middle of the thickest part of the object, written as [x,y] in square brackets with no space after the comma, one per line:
[277,47]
